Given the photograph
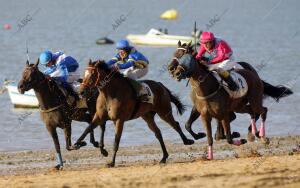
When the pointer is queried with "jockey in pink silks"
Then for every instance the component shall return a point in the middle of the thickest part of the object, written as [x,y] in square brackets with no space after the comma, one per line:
[217,55]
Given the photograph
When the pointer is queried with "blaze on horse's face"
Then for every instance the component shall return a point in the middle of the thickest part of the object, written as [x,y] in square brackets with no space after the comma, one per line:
[92,77]
[180,51]
[29,77]
[186,65]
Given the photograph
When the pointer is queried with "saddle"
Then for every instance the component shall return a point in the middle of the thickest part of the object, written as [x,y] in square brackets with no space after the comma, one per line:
[69,93]
[142,90]
[238,79]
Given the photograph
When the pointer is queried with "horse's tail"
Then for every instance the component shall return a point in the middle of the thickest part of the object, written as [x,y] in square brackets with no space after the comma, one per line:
[276,92]
[175,100]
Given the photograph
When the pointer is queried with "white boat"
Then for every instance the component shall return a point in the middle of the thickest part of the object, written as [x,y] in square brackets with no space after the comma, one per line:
[157,38]
[26,100]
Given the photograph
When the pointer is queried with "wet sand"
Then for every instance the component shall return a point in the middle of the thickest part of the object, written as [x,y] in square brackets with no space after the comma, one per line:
[251,165]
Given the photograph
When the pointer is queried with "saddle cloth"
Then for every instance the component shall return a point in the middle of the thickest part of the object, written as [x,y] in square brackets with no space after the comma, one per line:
[239,80]
[146,91]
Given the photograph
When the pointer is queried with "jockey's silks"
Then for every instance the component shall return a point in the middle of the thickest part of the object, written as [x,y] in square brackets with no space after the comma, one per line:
[63,66]
[219,53]
[133,59]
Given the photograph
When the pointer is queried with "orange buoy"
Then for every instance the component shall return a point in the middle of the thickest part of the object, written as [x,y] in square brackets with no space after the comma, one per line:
[7,26]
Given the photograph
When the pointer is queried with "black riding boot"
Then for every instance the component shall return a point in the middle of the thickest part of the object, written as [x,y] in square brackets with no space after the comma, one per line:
[231,84]
[228,79]
[71,92]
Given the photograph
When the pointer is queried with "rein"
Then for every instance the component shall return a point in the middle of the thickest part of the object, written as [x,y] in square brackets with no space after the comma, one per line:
[51,109]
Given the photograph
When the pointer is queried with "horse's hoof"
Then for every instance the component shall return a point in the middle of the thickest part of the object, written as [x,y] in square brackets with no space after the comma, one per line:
[58,167]
[257,134]
[265,140]
[243,141]
[250,137]
[95,144]
[81,143]
[110,165]
[104,152]
[163,161]
[70,148]
[235,135]
[199,136]
[188,142]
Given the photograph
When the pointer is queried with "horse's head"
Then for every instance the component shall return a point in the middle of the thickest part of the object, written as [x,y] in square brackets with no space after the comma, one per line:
[180,51]
[95,75]
[185,68]
[30,78]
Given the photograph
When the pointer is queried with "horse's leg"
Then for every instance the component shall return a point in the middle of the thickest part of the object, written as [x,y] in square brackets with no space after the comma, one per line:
[188,125]
[262,134]
[53,133]
[95,122]
[206,120]
[68,132]
[149,118]
[226,127]
[118,133]
[220,134]
[168,117]
[101,143]
[255,118]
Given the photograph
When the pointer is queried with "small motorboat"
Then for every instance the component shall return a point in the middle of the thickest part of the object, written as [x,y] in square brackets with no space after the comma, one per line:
[26,100]
[157,38]
[104,40]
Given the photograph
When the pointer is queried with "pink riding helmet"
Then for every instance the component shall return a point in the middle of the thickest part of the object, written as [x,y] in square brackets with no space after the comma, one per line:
[206,37]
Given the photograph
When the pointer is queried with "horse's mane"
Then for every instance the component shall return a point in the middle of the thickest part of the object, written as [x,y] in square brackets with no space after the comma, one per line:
[103,66]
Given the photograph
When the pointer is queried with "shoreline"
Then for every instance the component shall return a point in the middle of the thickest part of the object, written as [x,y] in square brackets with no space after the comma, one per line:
[280,159]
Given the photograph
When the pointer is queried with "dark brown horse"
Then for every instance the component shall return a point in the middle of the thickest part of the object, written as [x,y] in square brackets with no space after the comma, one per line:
[55,112]
[275,92]
[117,102]
[212,101]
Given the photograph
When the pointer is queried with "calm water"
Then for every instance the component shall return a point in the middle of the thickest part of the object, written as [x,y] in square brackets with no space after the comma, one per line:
[264,33]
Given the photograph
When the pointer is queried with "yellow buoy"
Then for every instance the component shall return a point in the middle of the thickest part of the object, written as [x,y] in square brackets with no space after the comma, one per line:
[171,14]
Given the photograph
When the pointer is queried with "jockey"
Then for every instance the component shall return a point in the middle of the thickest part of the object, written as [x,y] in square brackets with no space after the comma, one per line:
[62,68]
[217,55]
[134,64]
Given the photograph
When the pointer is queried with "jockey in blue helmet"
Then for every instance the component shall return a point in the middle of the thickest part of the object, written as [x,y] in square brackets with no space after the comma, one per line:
[62,68]
[133,63]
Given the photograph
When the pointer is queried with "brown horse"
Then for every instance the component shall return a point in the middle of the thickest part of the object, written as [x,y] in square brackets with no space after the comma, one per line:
[117,102]
[54,110]
[212,101]
[275,92]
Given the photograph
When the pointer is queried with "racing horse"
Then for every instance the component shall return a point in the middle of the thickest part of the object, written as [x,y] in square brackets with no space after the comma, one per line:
[118,102]
[54,110]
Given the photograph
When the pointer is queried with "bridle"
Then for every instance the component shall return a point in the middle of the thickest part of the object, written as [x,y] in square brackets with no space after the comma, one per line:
[37,82]
[99,84]
[180,67]
[89,69]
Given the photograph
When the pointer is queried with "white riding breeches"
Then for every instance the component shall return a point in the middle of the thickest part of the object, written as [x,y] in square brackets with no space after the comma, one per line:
[134,73]
[227,64]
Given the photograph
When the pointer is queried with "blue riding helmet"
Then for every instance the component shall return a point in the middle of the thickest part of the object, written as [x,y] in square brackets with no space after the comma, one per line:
[45,57]
[123,44]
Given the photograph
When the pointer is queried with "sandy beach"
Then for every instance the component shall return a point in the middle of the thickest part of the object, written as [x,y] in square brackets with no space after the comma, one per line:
[250,165]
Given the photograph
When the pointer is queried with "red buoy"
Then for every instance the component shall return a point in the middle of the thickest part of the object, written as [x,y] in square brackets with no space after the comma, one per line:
[7,26]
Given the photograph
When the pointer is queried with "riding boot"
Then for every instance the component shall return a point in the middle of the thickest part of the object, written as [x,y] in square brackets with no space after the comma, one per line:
[142,93]
[225,75]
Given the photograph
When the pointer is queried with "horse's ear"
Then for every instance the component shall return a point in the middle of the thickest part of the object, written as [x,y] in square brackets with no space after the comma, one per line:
[179,43]
[189,44]
[98,62]
[37,63]
[90,62]
[27,63]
